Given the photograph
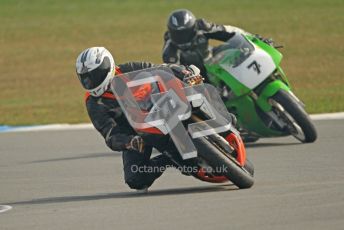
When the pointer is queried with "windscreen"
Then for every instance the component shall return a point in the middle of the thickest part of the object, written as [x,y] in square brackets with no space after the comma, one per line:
[234,52]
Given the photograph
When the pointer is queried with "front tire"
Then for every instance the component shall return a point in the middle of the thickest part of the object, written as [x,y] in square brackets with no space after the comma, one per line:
[299,122]
[240,176]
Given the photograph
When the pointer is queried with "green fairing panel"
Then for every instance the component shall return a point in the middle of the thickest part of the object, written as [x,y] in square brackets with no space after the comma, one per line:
[271,89]
[284,77]
[248,118]
[274,53]
[222,75]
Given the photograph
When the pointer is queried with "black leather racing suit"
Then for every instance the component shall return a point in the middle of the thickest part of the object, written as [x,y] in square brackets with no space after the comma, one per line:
[109,119]
[198,49]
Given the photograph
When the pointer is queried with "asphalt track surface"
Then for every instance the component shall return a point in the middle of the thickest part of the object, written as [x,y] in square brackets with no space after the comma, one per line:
[70,180]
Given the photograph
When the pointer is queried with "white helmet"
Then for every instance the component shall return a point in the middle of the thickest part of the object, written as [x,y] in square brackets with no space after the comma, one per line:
[95,67]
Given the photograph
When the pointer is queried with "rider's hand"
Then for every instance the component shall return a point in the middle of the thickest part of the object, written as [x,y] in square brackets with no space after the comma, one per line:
[192,75]
[184,72]
[136,143]
[194,80]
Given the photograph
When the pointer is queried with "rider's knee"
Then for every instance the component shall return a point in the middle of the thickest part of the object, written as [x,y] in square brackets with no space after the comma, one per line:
[138,183]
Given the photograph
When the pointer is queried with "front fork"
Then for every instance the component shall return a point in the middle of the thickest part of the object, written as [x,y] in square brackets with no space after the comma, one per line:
[266,103]
[230,143]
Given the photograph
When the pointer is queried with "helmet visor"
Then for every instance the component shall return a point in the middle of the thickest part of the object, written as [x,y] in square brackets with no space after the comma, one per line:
[94,78]
[182,36]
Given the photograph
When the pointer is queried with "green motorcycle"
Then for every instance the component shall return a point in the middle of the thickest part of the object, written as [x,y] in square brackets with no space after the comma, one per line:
[254,87]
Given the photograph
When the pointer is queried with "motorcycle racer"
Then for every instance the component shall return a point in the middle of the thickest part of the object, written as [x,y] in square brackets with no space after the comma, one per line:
[186,40]
[95,67]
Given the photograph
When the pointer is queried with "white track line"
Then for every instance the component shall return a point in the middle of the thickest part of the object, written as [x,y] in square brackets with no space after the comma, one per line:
[5,208]
[51,127]
[328,116]
[88,126]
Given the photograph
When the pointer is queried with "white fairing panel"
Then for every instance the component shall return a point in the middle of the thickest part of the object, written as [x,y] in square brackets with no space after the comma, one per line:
[255,69]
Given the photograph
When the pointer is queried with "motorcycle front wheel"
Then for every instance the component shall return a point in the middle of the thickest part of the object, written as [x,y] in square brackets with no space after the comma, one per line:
[298,122]
[231,169]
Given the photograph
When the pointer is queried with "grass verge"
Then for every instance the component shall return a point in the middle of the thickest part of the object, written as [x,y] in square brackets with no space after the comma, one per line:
[40,40]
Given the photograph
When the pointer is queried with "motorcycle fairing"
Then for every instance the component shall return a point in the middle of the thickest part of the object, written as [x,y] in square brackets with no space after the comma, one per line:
[254,70]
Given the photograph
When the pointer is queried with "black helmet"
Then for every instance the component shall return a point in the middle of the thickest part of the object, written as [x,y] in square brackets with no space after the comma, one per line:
[181,25]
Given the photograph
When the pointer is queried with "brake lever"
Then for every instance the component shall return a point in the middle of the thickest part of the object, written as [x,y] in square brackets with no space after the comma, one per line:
[279,47]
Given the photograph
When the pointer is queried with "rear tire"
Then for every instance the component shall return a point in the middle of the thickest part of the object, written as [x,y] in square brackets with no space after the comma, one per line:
[249,139]
[240,176]
[296,111]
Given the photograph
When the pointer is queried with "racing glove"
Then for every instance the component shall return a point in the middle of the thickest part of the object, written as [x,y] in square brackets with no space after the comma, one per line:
[136,143]
[189,74]
[192,76]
